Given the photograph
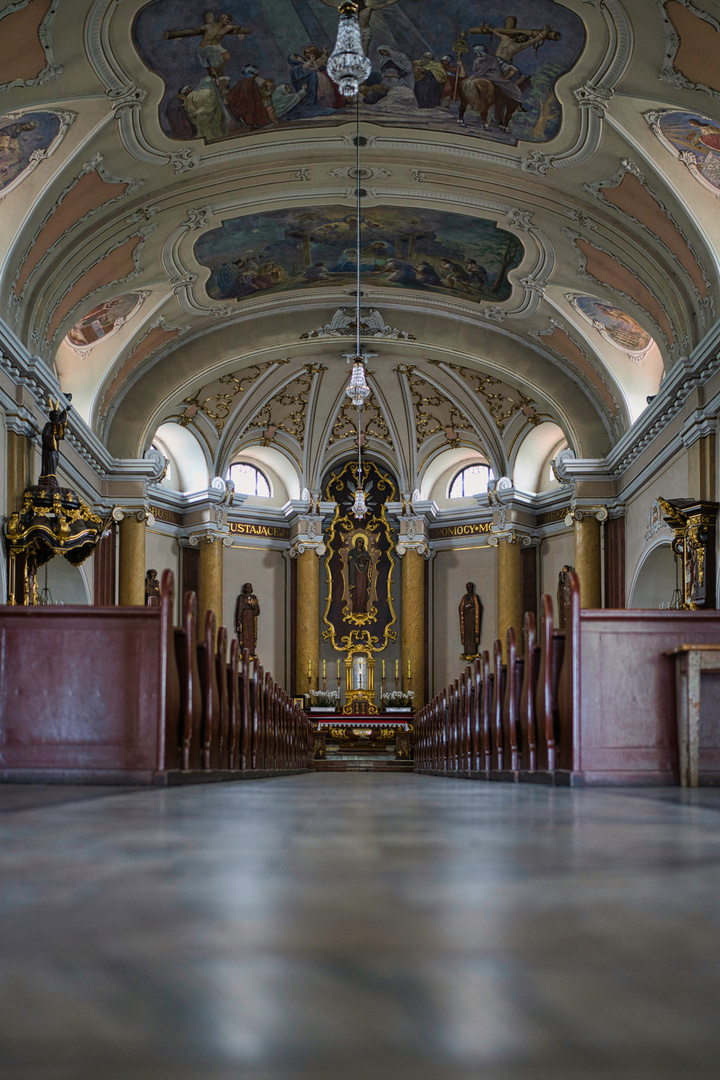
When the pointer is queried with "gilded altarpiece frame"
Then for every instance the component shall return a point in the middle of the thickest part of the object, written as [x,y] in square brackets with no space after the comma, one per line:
[359,615]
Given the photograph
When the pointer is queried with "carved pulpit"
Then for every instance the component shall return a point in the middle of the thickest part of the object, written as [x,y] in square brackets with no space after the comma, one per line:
[694,526]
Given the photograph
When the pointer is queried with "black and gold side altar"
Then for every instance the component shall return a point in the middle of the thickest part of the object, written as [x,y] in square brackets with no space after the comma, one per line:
[359,617]
[694,524]
[53,520]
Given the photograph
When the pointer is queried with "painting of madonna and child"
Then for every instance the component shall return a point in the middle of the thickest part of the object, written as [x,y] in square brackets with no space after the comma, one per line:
[431,251]
[251,65]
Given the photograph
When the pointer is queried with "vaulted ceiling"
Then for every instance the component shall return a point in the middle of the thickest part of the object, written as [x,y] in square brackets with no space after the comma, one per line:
[177,217]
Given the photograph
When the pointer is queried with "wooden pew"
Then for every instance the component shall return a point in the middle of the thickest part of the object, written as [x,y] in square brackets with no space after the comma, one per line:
[221,677]
[210,696]
[496,733]
[89,695]
[528,728]
[234,706]
[617,694]
[511,708]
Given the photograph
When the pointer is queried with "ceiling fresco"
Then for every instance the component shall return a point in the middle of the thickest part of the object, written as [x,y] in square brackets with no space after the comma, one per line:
[103,320]
[177,204]
[246,65]
[696,140]
[617,327]
[22,136]
[434,252]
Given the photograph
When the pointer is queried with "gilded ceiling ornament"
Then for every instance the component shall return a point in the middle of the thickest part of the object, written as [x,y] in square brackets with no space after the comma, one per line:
[435,413]
[502,401]
[374,423]
[287,410]
[217,407]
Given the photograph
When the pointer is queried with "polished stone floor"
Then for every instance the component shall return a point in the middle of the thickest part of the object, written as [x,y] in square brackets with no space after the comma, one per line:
[356,926]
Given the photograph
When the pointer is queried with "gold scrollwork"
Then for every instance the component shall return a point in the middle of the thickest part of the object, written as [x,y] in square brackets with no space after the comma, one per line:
[434,412]
[502,401]
[343,526]
[294,396]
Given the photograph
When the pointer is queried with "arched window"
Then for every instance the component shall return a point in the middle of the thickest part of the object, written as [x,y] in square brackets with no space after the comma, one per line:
[471,481]
[248,480]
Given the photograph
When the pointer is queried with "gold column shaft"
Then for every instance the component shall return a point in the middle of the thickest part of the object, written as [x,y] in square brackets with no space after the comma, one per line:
[509,591]
[307,621]
[132,561]
[413,624]
[210,583]
[587,560]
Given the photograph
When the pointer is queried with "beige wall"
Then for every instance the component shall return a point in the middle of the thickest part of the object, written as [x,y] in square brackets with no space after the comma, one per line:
[268,572]
[555,552]
[163,553]
[671,483]
[451,570]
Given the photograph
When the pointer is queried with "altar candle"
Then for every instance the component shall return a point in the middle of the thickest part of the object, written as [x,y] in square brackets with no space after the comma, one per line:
[323,667]
[408,667]
[338,669]
[383,663]
[309,668]
[397,668]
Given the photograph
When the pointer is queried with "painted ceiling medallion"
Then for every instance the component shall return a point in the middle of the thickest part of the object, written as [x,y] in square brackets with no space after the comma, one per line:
[617,327]
[424,250]
[103,320]
[247,65]
[26,138]
[695,139]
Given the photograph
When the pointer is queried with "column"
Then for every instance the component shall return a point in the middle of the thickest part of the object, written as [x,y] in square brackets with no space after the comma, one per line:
[18,469]
[587,559]
[509,586]
[413,623]
[210,581]
[307,619]
[701,457]
[132,559]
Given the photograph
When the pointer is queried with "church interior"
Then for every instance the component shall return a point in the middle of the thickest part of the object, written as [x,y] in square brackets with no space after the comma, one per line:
[360,621]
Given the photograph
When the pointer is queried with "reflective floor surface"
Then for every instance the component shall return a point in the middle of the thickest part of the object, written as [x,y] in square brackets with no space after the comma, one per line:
[356,926]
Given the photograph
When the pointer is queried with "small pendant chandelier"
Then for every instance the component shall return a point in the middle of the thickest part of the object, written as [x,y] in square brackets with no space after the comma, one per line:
[348,65]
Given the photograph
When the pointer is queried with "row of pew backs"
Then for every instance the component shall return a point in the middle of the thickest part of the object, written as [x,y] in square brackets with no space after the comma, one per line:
[592,704]
[121,695]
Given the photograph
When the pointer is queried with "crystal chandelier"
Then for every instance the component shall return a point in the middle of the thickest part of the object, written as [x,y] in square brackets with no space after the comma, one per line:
[348,65]
[358,390]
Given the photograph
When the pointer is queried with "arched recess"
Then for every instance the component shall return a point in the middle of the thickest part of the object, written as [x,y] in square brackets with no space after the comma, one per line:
[188,462]
[654,581]
[533,457]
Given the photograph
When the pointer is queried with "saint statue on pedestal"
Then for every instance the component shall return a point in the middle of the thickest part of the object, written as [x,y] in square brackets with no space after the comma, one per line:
[471,613]
[247,609]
